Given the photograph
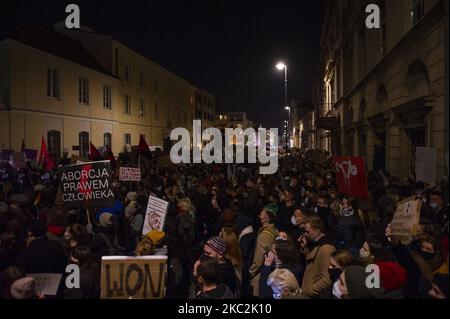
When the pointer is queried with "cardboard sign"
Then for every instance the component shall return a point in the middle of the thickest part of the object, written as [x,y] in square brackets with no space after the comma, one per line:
[18,160]
[129,174]
[155,216]
[133,277]
[405,223]
[46,284]
[87,185]
[426,165]
[351,176]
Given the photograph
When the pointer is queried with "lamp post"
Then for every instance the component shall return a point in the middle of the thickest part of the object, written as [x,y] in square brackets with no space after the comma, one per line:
[281,66]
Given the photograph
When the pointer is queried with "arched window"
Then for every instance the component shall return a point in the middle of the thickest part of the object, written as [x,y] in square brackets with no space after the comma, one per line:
[54,144]
[107,140]
[84,144]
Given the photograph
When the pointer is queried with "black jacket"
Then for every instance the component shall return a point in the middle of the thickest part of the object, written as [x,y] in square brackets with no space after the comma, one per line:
[89,285]
[221,292]
[42,256]
[227,276]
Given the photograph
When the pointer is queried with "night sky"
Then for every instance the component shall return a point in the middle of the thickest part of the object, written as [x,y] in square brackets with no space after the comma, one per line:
[229,47]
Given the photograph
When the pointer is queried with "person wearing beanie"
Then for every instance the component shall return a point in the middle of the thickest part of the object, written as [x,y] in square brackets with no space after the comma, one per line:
[393,276]
[352,285]
[41,255]
[215,248]
[23,288]
[264,241]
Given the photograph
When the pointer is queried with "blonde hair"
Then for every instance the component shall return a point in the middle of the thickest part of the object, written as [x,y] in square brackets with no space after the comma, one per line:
[145,247]
[233,248]
[281,279]
[185,203]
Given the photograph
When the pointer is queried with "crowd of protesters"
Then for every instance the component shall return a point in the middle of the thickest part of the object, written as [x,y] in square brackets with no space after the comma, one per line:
[239,235]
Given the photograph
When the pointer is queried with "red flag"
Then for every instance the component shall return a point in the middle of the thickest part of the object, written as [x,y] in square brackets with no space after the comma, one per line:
[110,156]
[44,157]
[351,176]
[143,147]
[94,154]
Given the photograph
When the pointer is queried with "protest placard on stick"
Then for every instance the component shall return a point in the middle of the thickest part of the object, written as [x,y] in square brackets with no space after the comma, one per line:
[155,216]
[405,223]
[129,174]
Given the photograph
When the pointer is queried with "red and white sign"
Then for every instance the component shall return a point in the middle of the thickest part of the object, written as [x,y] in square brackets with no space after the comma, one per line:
[129,174]
[351,176]
[155,216]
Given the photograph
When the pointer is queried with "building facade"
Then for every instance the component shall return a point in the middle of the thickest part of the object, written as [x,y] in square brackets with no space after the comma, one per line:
[77,86]
[232,120]
[380,93]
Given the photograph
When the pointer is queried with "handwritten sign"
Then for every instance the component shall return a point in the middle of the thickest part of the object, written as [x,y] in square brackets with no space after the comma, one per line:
[133,277]
[405,223]
[87,185]
[46,284]
[155,216]
[129,174]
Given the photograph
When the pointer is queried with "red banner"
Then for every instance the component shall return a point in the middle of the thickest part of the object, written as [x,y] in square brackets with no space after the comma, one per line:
[351,176]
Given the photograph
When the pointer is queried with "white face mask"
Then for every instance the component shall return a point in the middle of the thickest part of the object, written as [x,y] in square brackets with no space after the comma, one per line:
[294,221]
[363,254]
[336,290]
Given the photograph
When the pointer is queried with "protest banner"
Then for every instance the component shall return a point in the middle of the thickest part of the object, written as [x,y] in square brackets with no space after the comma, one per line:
[46,284]
[155,216]
[426,165]
[18,160]
[87,185]
[133,277]
[129,174]
[405,223]
[351,176]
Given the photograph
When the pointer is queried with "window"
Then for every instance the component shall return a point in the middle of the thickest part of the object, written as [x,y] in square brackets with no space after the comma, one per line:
[52,84]
[127,73]
[127,104]
[83,84]
[54,145]
[156,111]
[84,144]
[199,115]
[141,108]
[107,140]
[417,10]
[127,139]
[107,97]
[141,79]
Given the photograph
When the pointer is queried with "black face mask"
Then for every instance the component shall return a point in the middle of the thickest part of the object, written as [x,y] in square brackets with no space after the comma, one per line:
[334,273]
[427,256]
[323,210]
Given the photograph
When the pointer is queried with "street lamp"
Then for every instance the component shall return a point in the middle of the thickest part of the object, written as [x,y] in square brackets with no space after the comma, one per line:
[281,66]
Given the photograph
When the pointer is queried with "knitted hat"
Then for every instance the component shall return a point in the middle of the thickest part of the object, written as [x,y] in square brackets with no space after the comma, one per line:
[217,244]
[23,288]
[355,278]
[393,276]
[132,196]
[105,219]
[272,208]
[156,236]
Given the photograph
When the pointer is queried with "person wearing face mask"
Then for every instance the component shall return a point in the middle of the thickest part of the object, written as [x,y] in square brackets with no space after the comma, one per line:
[352,285]
[419,263]
[350,232]
[316,279]
[283,255]
[298,220]
[339,260]
[264,240]
[287,207]
[324,212]
[439,212]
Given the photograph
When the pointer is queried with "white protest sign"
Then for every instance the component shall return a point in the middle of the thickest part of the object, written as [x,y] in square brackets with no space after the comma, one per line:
[46,284]
[426,165]
[155,216]
[129,174]
[405,223]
